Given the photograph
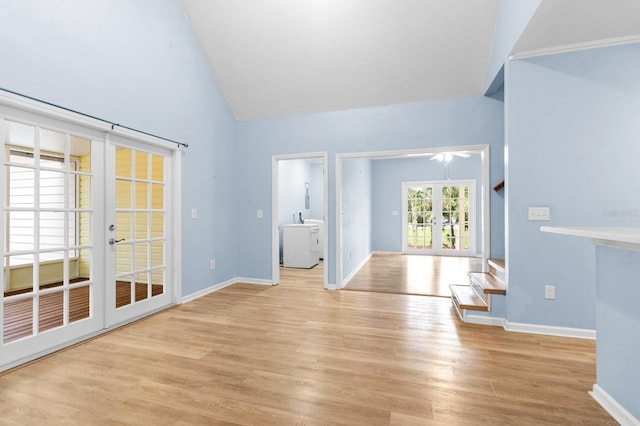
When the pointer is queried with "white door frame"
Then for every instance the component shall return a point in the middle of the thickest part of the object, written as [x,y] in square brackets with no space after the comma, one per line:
[275,234]
[471,251]
[482,150]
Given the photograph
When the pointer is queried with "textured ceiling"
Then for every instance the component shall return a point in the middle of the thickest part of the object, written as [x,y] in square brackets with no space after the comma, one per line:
[283,57]
[572,24]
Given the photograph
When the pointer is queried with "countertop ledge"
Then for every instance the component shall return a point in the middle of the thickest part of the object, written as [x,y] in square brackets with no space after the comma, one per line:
[630,235]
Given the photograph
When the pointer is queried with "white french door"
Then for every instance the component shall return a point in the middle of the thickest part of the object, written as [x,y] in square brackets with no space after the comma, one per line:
[86,230]
[52,279]
[439,218]
[138,226]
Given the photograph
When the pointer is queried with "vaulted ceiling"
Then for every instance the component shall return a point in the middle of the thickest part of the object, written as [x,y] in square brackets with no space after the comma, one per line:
[282,57]
[275,58]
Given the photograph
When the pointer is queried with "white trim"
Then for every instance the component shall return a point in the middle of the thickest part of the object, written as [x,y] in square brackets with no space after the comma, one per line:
[482,320]
[215,287]
[574,47]
[275,232]
[355,271]
[255,281]
[485,214]
[176,216]
[198,294]
[411,153]
[549,330]
[338,220]
[613,407]
[485,207]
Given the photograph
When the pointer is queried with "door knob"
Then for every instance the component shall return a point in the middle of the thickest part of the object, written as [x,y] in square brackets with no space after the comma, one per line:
[112,241]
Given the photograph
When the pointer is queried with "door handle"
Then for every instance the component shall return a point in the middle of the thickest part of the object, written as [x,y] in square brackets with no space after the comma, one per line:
[112,241]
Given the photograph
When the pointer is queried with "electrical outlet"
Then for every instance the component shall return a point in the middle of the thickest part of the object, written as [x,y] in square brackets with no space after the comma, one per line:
[549,291]
[212,263]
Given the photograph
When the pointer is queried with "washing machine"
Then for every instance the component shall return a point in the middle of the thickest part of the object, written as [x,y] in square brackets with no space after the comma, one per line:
[300,245]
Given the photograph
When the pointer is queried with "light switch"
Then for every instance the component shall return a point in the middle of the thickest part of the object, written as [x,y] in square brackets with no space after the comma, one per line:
[194,214]
[259,214]
[539,213]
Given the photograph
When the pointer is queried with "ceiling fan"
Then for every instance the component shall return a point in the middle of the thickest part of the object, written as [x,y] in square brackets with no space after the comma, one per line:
[448,156]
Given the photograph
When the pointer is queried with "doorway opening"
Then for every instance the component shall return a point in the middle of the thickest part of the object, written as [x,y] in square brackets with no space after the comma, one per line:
[299,215]
[388,210]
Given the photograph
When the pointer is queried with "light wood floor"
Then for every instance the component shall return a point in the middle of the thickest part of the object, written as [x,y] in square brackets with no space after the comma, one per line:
[413,274]
[298,354]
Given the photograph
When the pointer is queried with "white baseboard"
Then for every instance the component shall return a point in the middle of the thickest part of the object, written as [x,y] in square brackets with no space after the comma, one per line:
[205,291]
[256,281]
[220,286]
[355,271]
[578,333]
[612,407]
[482,320]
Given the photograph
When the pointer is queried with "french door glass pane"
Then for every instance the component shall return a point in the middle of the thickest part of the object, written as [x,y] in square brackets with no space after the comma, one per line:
[51,268]
[51,312]
[47,213]
[123,226]
[142,226]
[455,213]
[139,227]
[419,217]
[142,286]
[142,165]
[123,194]
[17,319]
[123,291]
[79,303]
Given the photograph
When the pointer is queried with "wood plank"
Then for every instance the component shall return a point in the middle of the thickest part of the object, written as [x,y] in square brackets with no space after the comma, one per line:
[489,283]
[413,274]
[297,354]
[466,298]
[497,263]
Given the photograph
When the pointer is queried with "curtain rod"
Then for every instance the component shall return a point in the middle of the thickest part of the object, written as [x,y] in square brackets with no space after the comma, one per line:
[113,125]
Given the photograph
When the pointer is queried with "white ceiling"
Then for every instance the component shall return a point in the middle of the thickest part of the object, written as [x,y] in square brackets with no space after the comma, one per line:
[275,58]
[573,24]
[283,57]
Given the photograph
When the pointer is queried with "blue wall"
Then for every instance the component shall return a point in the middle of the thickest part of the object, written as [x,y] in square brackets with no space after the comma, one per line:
[316,192]
[388,176]
[572,139]
[456,122]
[356,213]
[136,63]
[619,325]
